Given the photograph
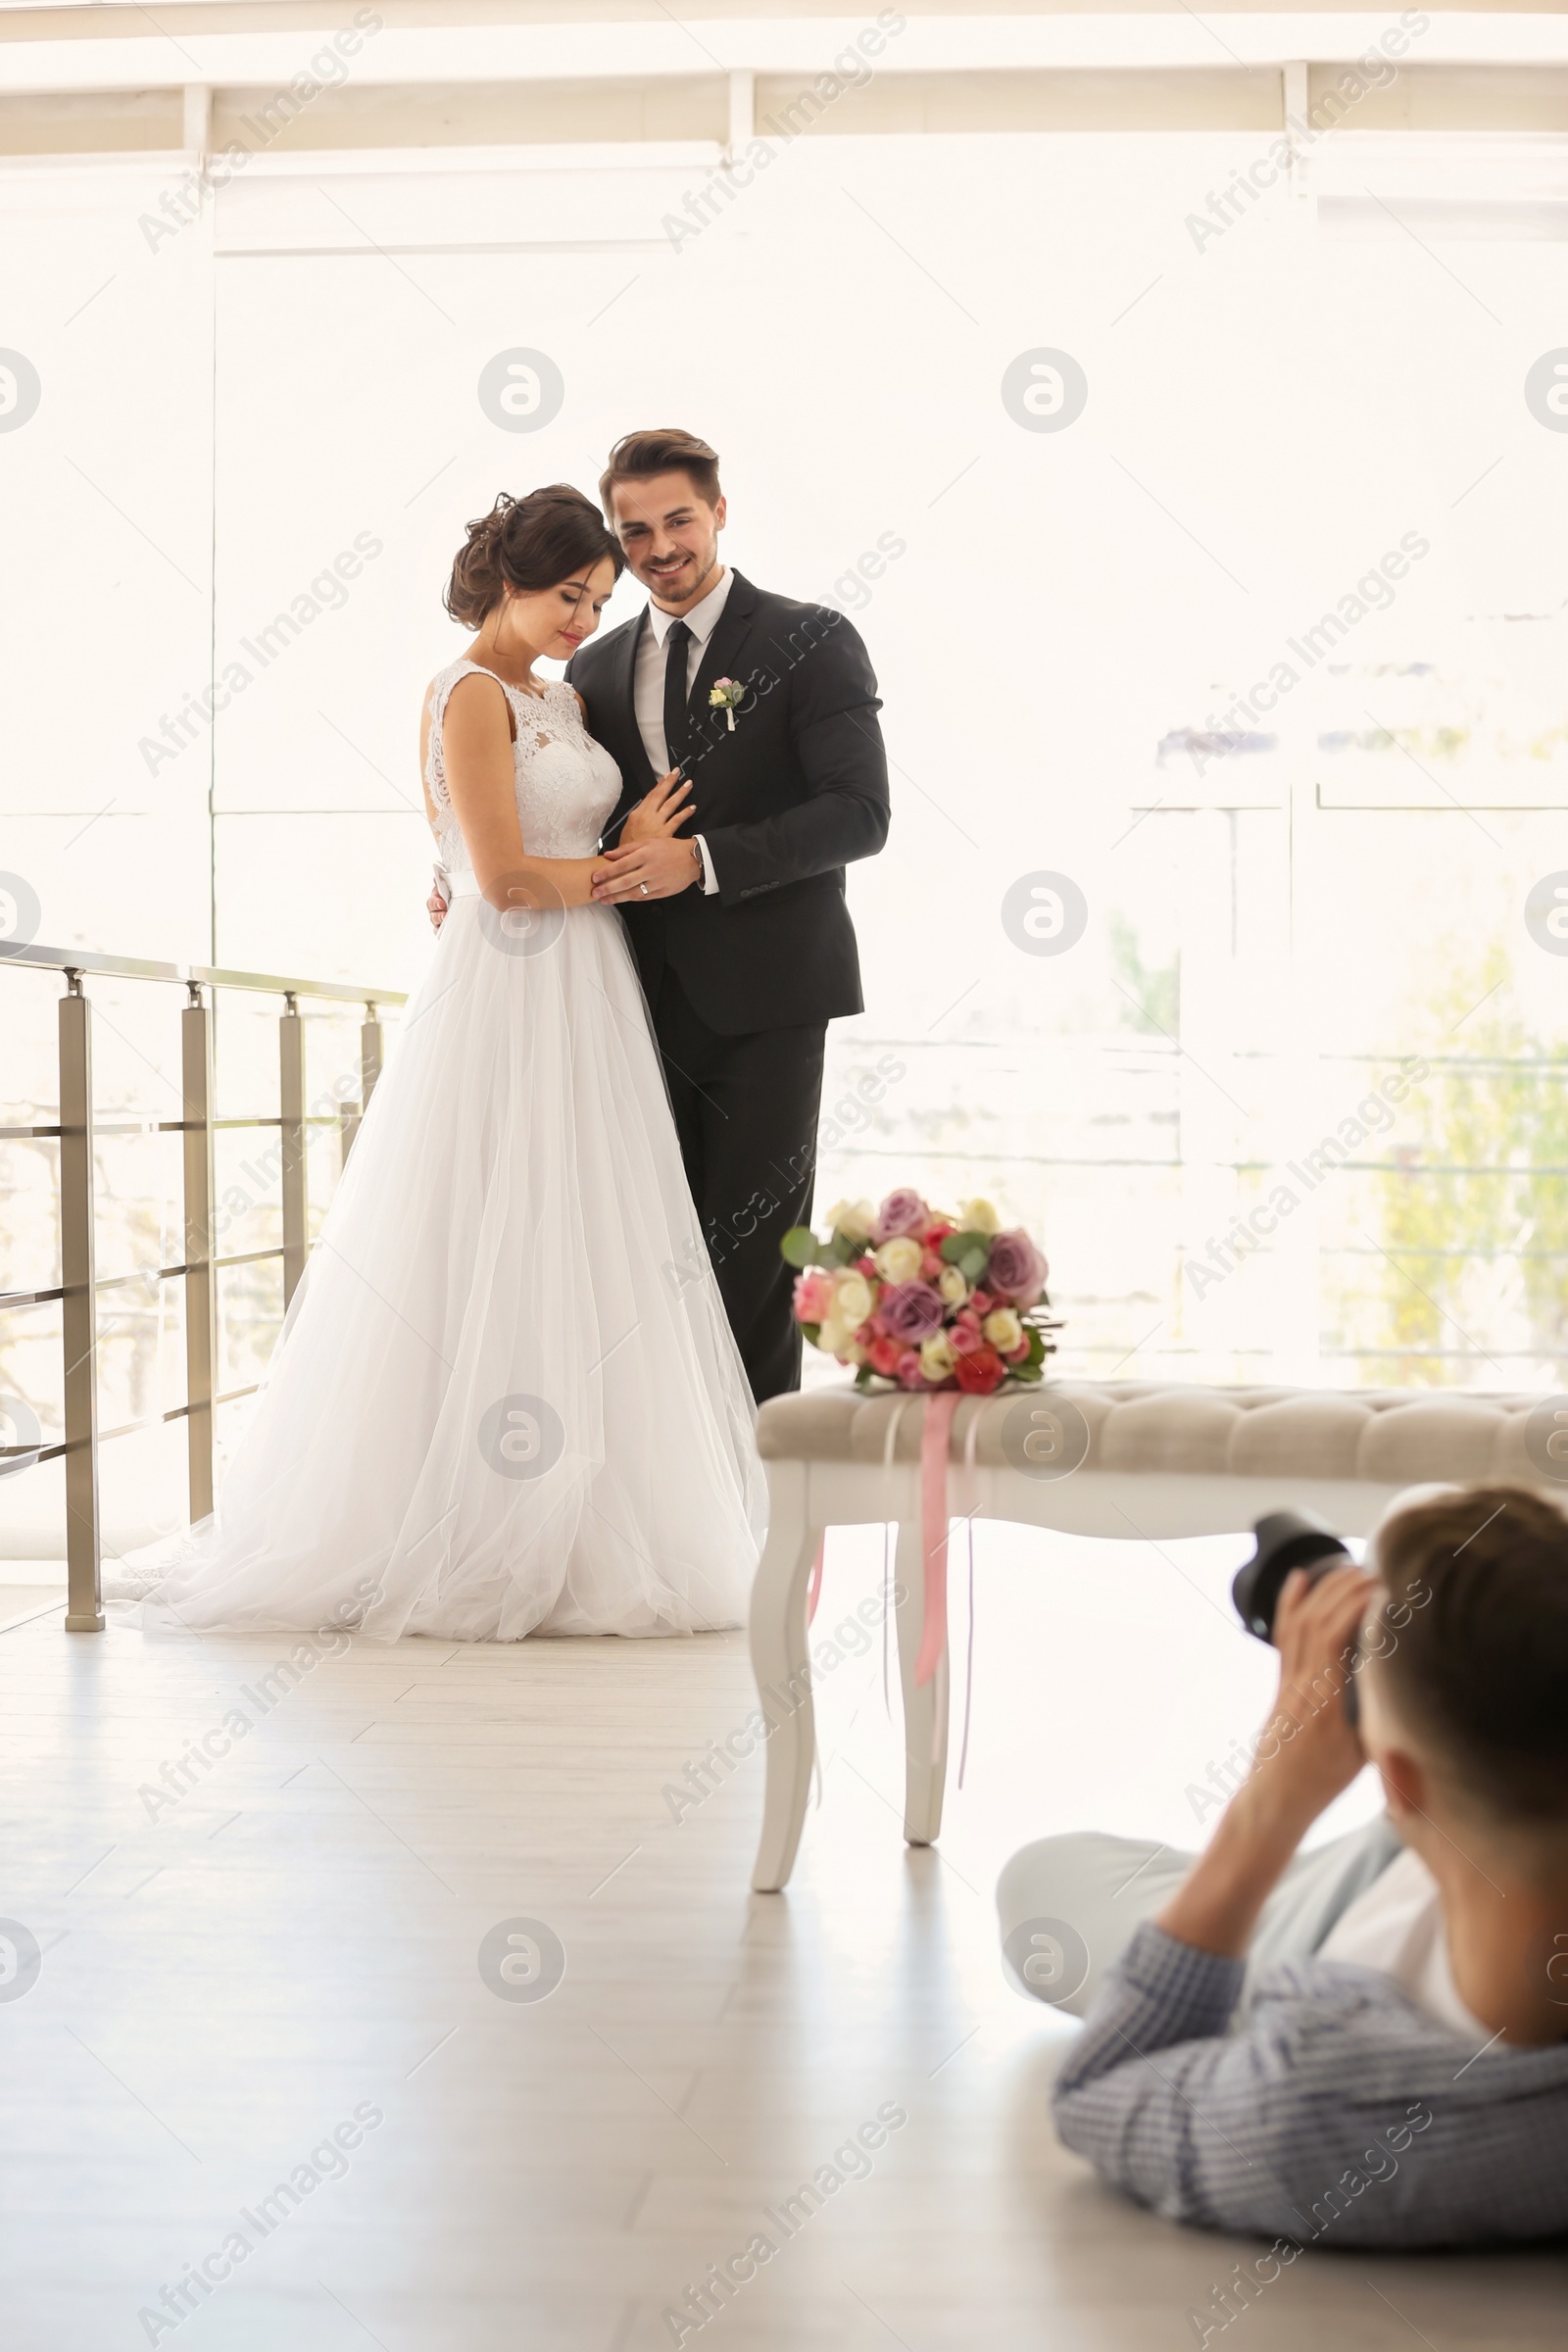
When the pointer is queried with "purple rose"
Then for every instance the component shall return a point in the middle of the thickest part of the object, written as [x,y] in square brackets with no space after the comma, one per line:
[910,1310]
[903,1211]
[1017,1271]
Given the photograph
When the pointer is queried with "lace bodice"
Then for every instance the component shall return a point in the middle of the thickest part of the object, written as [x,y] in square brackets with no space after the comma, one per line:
[567,784]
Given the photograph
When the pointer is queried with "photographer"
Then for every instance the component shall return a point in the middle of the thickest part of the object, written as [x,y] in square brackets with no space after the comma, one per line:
[1370,2042]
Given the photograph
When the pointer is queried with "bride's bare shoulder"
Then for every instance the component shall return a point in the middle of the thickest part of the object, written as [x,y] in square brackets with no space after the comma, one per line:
[477,708]
[464,678]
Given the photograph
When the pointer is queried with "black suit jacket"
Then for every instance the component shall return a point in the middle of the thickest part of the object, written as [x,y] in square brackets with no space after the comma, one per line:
[784,804]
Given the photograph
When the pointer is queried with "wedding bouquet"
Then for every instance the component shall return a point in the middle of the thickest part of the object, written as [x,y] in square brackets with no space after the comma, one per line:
[907,1294]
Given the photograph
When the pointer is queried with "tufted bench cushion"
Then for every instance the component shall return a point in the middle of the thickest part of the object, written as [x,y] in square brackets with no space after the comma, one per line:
[1386,1437]
[1118,1460]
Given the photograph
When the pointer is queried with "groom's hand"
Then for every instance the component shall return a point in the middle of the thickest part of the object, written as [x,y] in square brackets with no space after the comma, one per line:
[667,867]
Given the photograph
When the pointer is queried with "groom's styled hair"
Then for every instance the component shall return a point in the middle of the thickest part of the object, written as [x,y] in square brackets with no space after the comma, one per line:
[666,449]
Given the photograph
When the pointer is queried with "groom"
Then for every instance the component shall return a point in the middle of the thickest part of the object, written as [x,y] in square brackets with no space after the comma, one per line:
[739,925]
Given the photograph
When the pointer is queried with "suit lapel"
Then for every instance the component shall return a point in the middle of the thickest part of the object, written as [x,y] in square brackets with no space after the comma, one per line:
[614,706]
[730,633]
[708,728]
[620,695]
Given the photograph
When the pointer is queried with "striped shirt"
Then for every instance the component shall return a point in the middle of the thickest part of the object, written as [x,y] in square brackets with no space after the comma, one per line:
[1332,2109]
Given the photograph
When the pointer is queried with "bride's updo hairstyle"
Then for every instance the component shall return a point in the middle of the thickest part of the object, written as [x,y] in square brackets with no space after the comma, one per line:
[527,544]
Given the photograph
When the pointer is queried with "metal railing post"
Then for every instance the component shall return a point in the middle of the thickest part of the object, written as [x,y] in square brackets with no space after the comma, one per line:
[78,1314]
[291,1105]
[201,1288]
[370,1056]
[370,1072]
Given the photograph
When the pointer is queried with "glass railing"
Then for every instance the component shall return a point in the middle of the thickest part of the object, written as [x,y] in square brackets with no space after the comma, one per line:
[82,1132]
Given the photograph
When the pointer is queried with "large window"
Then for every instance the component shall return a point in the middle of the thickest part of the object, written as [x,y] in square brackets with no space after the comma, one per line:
[1218,935]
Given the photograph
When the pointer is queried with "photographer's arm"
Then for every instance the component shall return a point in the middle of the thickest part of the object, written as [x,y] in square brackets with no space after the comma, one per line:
[1307,1755]
[1200,2123]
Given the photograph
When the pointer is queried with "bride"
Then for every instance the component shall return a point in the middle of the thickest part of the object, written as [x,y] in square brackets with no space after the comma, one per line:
[506,1399]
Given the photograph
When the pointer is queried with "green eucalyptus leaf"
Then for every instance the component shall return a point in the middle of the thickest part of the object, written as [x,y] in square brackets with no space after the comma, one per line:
[799,1247]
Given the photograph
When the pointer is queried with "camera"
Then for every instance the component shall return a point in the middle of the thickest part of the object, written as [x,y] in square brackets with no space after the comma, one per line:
[1285,1540]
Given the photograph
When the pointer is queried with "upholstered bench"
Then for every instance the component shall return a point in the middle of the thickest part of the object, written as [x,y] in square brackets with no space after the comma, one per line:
[1125,1458]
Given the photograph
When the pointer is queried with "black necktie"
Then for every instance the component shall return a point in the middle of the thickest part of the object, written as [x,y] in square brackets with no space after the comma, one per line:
[675,657]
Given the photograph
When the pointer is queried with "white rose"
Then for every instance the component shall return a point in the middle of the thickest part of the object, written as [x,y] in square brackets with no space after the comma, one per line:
[1003,1329]
[851,1300]
[978,1216]
[832,1337]
[950,1283]
[854,1219]
[898,1260]
[936,1356]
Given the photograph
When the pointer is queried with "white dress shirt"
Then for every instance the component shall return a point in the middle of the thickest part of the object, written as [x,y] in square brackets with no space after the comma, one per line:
[1397,1925]
[648,687]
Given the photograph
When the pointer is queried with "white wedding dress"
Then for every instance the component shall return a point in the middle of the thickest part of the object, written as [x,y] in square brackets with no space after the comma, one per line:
[506,1399]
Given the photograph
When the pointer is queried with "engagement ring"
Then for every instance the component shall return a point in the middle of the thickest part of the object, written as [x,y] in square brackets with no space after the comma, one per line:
[643,887]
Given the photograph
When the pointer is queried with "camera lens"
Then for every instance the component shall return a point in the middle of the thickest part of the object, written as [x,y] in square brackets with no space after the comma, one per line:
[1286,1539]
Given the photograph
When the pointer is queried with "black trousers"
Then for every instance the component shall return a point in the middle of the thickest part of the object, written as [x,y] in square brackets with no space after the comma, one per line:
[746,1111]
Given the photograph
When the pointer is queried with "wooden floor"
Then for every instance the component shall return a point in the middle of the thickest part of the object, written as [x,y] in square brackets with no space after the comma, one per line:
[295,1942]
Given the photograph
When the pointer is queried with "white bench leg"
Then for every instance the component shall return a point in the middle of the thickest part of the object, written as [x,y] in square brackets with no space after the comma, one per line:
[781,1665]
[925,1710]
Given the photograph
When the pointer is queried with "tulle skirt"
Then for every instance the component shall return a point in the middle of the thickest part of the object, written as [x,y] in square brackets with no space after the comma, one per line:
[506,1399]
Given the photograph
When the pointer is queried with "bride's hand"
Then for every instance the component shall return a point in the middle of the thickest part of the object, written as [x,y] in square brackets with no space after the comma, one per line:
[658,815]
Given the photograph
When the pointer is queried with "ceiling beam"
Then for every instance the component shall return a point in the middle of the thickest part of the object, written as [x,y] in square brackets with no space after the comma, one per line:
[803,46]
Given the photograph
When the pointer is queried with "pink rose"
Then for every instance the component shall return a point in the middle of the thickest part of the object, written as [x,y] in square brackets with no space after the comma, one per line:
[910,1375]
[1017,1271]
[813,1295]
[886,1355]
[903,1211]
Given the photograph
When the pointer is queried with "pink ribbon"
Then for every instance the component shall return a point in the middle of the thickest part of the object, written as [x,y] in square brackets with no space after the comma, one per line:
[935,1433]
[814,1583]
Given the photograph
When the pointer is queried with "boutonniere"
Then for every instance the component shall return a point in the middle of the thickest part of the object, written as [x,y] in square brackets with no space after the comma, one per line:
[727,695]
